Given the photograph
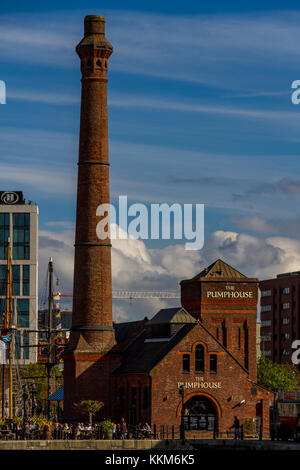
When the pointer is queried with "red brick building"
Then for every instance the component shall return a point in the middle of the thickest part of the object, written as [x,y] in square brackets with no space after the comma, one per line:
[280,319]
[208,345]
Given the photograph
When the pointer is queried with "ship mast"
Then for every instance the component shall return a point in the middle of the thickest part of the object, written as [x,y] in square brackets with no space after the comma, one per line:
[7,324]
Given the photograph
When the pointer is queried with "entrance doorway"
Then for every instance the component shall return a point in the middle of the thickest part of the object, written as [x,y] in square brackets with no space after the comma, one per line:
[199,414]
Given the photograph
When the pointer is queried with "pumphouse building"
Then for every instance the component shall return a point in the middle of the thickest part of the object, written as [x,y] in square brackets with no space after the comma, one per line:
[194,364]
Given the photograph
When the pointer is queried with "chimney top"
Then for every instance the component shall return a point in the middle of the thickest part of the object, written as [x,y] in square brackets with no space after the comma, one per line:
[94,24]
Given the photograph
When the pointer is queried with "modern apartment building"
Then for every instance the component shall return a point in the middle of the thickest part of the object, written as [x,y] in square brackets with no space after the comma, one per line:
[280,316]
[19,225]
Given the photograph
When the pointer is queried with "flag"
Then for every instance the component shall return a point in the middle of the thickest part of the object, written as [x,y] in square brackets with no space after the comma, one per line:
[6,336]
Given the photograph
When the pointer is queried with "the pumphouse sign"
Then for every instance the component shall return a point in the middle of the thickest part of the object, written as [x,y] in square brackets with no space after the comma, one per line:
[224,292]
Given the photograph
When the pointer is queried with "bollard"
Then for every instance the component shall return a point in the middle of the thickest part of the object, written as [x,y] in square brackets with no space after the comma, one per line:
[154,431]
[173,432]
[242,432]
[260,432]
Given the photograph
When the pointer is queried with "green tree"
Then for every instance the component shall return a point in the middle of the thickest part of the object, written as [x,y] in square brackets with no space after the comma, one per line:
[90,407]
[37,374]
[276,377]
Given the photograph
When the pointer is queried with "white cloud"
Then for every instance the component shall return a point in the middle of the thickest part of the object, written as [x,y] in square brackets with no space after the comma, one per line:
[136,267]
[32,178]
[143,102]
[33,96]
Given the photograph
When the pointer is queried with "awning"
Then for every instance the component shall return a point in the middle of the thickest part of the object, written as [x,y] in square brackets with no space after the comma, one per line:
[58,395]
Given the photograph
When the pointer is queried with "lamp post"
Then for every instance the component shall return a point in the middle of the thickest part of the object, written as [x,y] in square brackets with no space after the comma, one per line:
[182,430]
[25,397]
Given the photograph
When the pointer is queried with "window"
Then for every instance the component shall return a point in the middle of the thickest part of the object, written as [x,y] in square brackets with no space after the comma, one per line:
[18,344]
[266,323]
[266,337]
[266,293]
[160,331]
[146,397]
[266,353]
[16,280]
[3,270]
[285,321]
[213,363]
[286,305]
[186,363]
[286,290]
[21,236]
[122,398]
[26,345]
[23,313]
[4,235]
[26,280]
[266,308]
[133,396]
[199,358]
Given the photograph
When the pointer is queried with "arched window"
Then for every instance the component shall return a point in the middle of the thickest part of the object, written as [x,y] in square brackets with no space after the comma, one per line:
[199,358]
[186,363]
[213,363]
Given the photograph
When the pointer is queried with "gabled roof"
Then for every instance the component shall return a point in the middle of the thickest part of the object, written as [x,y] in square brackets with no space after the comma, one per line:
[172,315]
[142,355]
[218,270]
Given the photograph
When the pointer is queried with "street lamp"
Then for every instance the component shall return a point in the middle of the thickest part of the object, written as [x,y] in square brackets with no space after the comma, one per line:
[25,397]
[182,430]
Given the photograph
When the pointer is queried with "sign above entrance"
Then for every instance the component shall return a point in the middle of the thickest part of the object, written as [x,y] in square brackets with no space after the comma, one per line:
[199,384]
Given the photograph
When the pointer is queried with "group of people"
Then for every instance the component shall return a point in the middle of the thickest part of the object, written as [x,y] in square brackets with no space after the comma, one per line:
[141,431]
[55,430]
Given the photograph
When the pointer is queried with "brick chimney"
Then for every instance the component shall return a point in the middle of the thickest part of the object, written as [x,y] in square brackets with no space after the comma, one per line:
[92,333]
[92,304]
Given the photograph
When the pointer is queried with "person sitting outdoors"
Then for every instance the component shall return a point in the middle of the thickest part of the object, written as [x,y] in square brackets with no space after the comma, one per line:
[146,429]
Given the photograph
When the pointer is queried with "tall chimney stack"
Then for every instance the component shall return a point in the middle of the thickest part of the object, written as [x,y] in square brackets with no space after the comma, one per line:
[92,333]
[92,304]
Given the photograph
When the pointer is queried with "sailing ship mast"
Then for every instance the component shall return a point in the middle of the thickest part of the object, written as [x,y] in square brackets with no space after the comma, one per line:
[7,325]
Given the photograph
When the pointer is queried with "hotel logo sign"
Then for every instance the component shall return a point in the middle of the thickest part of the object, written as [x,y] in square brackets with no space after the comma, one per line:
[11,197]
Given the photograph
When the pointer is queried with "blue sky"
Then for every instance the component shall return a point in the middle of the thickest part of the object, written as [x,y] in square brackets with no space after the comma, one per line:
[200,111]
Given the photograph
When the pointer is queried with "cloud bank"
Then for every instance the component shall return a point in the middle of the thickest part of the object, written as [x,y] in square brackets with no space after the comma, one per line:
[136,267]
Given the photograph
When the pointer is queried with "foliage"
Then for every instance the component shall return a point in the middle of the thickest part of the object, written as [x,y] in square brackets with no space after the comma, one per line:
[276,377]
[37,374]
[90,407]
[18,420]
[107,425]
[2,421]
[41,420]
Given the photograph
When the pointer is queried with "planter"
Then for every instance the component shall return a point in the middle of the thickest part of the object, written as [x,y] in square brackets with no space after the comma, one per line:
[108,434]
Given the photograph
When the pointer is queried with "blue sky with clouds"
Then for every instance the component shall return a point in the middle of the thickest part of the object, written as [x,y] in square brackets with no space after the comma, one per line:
[200,111]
